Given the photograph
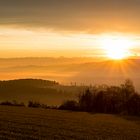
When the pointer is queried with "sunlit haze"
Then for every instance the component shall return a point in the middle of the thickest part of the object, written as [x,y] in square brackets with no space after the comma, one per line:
[70,40]
[19,42]
[99,29]
[117,47]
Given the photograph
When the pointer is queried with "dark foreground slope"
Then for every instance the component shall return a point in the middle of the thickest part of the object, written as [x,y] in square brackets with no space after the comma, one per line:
[28,123]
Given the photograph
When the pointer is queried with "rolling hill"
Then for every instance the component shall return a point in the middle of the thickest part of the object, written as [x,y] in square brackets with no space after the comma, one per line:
[44,91]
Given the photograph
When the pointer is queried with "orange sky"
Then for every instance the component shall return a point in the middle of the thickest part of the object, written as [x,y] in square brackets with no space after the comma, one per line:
[66,27]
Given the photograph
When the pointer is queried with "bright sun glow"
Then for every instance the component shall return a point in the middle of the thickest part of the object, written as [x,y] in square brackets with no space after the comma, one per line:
[116,47]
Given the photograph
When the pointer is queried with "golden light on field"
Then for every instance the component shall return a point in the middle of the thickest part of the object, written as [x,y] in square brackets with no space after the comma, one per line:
[116,47]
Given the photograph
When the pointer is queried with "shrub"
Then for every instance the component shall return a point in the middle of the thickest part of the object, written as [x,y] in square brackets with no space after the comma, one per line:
[69,105]
[13,103]
[34,104]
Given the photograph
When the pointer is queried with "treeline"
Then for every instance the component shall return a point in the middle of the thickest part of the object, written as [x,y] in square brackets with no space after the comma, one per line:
[12,103]
[121,99]
[32,104]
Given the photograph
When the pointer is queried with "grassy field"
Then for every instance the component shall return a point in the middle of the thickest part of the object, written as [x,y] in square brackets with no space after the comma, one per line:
[28,123]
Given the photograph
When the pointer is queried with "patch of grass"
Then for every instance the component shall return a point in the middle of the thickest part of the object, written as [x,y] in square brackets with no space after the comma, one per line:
[33,123]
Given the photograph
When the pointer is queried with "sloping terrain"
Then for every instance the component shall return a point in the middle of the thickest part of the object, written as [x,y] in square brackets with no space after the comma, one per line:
[28,123]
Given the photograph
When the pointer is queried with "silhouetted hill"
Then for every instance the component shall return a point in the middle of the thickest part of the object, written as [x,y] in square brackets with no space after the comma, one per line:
[28,83]
[45,91]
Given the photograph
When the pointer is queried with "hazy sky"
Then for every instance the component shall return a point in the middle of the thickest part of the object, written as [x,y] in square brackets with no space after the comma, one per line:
[52,27]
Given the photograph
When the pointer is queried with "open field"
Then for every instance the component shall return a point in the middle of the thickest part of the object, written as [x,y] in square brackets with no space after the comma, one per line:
[31,123]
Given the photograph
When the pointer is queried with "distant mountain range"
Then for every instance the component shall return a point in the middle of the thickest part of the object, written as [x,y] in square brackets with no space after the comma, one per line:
[67,70]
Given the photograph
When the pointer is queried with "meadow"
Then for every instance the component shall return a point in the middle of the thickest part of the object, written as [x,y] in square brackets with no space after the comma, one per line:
[36,123]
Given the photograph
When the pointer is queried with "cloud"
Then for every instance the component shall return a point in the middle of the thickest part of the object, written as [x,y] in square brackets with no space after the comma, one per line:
[73,15]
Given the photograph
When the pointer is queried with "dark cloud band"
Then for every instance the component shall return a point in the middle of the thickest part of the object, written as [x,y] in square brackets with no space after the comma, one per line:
[73,15]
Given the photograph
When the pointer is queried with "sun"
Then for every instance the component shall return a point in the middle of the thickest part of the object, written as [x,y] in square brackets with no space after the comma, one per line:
[116,47]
